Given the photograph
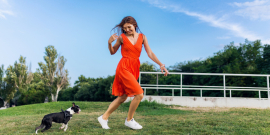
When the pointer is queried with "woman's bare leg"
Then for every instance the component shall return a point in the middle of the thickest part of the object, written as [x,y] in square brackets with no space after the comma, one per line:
[134,105]
[114,105]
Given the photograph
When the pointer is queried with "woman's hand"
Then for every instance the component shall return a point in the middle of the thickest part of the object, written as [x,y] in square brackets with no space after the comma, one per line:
[162,67]
[113,49]
[112,38]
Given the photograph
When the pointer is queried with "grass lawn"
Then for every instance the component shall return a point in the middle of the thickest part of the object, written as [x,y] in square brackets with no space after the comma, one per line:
[155,119]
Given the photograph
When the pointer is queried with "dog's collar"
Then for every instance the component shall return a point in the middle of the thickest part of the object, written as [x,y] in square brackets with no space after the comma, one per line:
[66,114]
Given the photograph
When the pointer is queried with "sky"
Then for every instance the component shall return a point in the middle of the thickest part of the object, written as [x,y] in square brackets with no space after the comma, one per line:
[177,31]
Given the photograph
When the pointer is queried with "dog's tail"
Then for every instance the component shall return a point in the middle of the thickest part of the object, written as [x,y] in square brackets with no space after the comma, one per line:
[39,127]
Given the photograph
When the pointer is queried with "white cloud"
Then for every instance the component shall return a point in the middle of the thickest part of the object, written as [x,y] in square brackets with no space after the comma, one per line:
[266,41]
[4,1]
[236,29]
[257,9]
[254,13]
[221,22]
[5,12]
[3,9]
[250,4]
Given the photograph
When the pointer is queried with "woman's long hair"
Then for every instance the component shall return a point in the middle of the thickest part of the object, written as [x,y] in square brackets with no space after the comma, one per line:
[127,19]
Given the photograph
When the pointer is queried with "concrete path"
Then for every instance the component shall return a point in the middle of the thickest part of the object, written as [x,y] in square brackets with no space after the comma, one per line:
[2,108]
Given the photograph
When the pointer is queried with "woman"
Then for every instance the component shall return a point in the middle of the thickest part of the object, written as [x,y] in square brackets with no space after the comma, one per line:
[127,73]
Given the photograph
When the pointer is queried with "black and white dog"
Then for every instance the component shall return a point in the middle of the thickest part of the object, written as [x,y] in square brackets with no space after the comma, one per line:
[61,117]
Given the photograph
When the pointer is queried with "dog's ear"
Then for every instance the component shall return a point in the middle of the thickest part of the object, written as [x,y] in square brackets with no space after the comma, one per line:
[73,104]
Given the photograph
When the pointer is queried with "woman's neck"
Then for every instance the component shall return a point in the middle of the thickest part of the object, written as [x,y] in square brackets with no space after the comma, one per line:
[132,35]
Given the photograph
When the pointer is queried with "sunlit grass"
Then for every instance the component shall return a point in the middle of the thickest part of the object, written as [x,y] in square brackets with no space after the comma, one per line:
[155,119]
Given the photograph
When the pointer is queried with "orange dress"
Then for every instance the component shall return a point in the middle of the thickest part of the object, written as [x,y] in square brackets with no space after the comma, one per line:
[128,69]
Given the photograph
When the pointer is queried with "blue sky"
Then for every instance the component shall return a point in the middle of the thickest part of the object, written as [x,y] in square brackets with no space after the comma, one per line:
[177,31]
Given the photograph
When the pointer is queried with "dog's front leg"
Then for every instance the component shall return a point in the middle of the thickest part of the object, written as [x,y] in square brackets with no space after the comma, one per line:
[66,127]
[63,125]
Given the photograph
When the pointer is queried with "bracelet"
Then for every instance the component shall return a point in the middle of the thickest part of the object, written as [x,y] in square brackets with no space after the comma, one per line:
[162,65]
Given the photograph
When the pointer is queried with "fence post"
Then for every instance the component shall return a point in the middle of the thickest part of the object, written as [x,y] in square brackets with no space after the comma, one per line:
[268,86]
[259,94]
[145,91]
[157,82]
[172,92]
[224,82]
[181,86]
[201,92]
[230,93]
[140,78]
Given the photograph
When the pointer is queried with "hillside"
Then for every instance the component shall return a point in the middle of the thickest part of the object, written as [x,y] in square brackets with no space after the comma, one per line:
[155,119]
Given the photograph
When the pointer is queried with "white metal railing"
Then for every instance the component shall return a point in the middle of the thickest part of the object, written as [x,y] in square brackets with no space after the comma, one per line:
[196,87]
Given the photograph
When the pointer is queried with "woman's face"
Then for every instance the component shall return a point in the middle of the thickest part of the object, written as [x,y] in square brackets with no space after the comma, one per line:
[129,28]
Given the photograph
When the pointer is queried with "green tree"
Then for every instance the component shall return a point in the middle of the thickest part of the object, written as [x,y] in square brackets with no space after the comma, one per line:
[6,92]
[241,59]
[2,71]
[61,79]
[54,76]
[18,78]
[48,69]
[264,67]
[148,78]
[89,89]
[36,91]
[68,94]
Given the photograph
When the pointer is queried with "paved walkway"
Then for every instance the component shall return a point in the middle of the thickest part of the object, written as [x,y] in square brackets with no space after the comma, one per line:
[3,108]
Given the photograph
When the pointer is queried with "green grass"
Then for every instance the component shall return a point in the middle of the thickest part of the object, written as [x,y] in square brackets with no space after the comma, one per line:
[155,119]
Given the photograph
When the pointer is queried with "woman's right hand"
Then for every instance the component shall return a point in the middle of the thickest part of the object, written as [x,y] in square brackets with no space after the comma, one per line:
[112,38]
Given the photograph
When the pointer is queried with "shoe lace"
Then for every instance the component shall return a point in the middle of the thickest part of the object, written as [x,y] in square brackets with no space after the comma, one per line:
[136,123]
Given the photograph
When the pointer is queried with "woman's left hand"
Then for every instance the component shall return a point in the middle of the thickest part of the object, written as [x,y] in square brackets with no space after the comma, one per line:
[165,70]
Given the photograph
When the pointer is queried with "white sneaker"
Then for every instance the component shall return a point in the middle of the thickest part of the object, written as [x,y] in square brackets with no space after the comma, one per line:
[103,123]
[133,124]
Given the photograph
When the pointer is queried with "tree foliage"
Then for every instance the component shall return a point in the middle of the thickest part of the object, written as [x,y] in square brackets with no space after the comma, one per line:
[17,79]
[248,58]
[54,76]
[89,89]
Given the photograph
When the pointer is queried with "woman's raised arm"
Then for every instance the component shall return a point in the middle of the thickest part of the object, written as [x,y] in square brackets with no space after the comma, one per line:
[113,49]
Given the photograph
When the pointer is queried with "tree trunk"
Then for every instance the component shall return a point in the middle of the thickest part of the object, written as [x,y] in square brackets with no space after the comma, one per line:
[53,100]
[55,97]
[57,92]
[5,104]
